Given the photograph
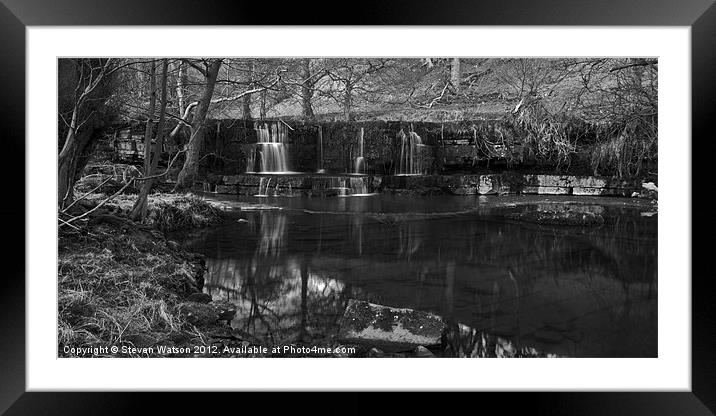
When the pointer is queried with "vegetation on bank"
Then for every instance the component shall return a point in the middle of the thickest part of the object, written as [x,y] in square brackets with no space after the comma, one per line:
[122,283]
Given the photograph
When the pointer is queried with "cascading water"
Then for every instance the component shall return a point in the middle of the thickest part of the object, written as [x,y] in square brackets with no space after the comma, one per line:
[320,169]
[410,162]
[360,161]
[264,184]
[270,154]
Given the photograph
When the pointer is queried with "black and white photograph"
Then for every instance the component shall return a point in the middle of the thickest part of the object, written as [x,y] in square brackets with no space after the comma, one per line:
[357,207]
[244,197]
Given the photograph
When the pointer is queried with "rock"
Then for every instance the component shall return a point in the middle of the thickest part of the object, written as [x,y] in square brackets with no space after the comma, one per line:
[547,190]
[198,314]
[391,329]
[485,186]
[571,218]
[225,310]
[422,352]
[376,353]
[199,297]
[504,348]
[649,186]
[649,190]
[600,191]
[220,331]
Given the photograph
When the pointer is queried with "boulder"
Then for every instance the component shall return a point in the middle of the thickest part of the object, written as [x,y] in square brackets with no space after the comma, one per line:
[225,310]
[387,328]
[422,352]
[198,314]
[376,353]
[486,185]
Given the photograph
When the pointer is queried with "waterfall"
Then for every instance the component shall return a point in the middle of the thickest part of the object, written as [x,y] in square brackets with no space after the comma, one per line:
[410,162]
[320,151]
[264,189]
[270,149]
[360,161]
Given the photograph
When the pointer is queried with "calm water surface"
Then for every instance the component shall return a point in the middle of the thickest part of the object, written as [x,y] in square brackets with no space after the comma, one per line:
[585,292]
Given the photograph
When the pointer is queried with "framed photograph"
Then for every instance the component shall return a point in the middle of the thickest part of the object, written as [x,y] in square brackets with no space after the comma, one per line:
[502,189]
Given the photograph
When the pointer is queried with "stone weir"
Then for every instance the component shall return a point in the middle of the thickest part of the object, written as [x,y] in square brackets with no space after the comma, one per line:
[298,185]
[472,184]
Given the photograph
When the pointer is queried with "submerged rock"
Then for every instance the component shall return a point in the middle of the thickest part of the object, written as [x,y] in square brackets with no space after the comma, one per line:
[391,329]
[422,352]
[225,310]
[376,353]
[198,314]
[572,218]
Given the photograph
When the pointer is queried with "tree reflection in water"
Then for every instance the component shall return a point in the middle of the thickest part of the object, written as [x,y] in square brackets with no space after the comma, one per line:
[522,287]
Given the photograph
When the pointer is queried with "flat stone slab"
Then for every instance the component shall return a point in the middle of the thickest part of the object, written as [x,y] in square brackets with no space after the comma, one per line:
[391,329]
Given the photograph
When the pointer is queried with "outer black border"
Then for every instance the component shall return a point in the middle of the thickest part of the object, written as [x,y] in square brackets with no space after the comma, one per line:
[16,14]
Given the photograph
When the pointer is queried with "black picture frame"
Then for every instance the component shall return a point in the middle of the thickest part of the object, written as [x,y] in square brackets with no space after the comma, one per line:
[15,15]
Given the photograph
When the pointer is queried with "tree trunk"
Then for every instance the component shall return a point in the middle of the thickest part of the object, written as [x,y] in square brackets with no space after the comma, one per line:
[307,89]
[181,82]
[139,211]
[246,102]
[150,117]
[86,122]
[262,112]
[246,107]
[455,74]
[187,176]
[71,162]
[347,102]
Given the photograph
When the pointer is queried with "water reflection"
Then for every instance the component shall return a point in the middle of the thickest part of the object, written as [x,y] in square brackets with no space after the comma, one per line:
[567,291]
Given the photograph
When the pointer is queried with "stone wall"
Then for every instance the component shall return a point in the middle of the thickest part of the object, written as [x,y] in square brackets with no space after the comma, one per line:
[488,184]
[472,147]
[446,146]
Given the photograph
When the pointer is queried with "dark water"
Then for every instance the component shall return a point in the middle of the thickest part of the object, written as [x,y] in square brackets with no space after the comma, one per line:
[585,292]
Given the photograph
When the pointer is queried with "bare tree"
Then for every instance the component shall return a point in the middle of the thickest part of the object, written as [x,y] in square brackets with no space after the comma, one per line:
[455,74]
[350,76]
[85,86]
[139,210]
[210,71]
[148,132]
[308,81]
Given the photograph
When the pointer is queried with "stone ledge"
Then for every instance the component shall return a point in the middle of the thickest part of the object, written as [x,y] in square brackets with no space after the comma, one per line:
[468,184]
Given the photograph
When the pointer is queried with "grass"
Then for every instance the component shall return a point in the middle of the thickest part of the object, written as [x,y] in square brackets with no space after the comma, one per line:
[123,287]
[167,212]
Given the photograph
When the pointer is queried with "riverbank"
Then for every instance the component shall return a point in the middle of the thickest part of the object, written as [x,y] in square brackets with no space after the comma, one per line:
[123,284]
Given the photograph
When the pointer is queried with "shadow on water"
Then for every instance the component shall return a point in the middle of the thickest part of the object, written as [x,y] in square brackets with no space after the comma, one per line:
[558,290]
